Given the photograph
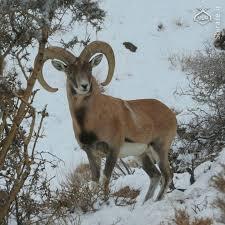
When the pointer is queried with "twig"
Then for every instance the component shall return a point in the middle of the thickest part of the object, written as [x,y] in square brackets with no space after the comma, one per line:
[43,115]
[20,64]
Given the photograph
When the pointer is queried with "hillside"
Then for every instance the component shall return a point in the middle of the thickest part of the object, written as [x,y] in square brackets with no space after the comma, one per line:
[144,74]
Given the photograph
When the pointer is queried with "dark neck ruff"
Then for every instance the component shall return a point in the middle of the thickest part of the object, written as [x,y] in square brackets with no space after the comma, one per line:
[73,91]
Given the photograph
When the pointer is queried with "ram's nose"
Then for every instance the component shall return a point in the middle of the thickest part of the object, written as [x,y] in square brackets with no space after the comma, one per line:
[84,86]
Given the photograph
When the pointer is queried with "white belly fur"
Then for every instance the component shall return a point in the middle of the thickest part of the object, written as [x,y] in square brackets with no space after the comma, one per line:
[137,149]
[132,149]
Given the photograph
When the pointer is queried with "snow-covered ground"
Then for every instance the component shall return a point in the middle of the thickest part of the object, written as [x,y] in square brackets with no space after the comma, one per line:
[144,74]
[197,199]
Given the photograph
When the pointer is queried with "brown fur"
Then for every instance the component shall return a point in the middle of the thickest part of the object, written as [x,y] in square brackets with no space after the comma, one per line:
[113,120]
[103,125]
[145,121]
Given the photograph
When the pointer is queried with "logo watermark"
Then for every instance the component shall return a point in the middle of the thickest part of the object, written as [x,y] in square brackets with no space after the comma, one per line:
[218,19]
[202,17]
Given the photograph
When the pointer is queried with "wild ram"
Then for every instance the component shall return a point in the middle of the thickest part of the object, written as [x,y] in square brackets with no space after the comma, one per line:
[112,127]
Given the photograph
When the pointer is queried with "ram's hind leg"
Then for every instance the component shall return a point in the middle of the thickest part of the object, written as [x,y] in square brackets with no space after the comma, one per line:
[166,178]
[153,173]
[164,166]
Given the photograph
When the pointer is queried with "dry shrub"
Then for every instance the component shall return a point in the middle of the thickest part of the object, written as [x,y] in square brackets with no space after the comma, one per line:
[76,193]
[202,137]
[4,196]
[220,203]
[27,26]
[218,182]
[126,196]
[84,171]
[183,218]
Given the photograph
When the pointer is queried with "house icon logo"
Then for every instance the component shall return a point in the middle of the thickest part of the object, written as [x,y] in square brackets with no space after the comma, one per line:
[202,17]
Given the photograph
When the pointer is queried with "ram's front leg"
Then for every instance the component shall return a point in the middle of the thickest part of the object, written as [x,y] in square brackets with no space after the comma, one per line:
[95,167]
[110,163]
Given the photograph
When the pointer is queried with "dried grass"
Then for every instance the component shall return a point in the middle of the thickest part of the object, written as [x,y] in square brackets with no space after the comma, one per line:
[126,196]
[183,218]
[218,182]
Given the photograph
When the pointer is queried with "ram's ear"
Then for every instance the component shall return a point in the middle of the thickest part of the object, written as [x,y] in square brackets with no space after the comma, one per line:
[96,60]
[59,65]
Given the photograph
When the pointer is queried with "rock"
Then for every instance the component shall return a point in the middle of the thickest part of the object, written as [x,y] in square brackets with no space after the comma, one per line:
[130,46]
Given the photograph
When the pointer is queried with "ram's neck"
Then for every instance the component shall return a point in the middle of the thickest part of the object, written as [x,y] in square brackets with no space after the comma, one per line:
[95,87]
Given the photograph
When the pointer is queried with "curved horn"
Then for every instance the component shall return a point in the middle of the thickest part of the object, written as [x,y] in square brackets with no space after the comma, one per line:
[100,47]
[54,53]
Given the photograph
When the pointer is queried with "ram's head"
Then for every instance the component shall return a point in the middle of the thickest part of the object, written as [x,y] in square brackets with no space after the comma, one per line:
[79,69]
